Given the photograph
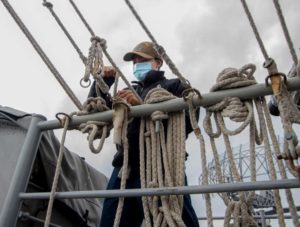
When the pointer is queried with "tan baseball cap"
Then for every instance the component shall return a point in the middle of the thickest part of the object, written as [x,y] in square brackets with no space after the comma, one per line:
[143,49]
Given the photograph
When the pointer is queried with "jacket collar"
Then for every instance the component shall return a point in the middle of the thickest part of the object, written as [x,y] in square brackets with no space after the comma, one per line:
[152,77]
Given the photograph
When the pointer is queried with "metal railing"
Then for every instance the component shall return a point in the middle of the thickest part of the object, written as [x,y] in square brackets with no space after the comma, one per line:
[20,178]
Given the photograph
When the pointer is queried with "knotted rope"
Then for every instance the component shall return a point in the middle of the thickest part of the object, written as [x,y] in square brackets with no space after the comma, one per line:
[162,160]
[199,136]
[95,129]
[102,43]
[120,121]
[94,65]
[239,111]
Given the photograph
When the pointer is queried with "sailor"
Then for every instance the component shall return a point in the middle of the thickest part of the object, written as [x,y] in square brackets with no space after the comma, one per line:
[146,69]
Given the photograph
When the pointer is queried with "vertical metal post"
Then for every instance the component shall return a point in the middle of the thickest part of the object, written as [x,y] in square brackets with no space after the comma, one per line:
[19,181]
[263,218]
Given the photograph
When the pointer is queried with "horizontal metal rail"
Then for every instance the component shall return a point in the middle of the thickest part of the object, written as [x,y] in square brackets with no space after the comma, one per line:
[193,189]
[257,217]
[211,98]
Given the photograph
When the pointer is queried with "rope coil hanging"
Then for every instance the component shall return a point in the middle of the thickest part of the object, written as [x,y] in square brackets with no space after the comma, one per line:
[95,129]
[240,207]
[162,160]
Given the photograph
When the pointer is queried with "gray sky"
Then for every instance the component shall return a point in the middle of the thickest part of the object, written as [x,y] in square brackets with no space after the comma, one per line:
[201,37]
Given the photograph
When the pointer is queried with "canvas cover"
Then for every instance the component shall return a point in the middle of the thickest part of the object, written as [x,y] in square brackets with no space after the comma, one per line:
[76,174]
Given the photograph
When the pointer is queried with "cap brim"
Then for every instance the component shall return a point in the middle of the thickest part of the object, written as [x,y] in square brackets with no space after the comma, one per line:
[130,55]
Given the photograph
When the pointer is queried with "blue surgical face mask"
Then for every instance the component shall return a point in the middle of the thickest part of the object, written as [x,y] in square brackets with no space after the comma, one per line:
[141,69]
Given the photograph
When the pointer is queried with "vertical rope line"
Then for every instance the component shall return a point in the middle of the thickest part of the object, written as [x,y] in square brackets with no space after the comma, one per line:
[270,162]
[57,173]
[76,47]
[286,32]
[82,18]
[255,30]
[280,164]
[42,54]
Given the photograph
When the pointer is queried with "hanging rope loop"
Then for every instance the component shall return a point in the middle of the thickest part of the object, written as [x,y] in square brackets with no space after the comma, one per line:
[120,112]
[62,120]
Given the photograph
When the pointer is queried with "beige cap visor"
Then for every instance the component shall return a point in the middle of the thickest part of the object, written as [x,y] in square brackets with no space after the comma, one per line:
[130,55]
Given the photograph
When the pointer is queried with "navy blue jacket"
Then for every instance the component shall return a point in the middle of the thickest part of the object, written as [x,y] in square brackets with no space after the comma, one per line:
[152,80]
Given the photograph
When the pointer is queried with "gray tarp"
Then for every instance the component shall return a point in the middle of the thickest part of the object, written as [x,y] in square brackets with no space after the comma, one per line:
[76,173]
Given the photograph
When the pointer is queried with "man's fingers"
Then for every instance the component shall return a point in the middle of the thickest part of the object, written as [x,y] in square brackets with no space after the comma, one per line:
[109,71]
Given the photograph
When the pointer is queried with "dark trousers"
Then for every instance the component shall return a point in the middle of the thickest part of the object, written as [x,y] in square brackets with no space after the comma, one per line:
[132,214]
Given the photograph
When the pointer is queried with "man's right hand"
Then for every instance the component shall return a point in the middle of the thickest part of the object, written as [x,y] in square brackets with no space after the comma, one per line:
[109,71]
[129,97]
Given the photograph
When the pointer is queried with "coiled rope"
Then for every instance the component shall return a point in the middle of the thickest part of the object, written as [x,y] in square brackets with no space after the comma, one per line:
[162,161]
[239,111]
[95,129]
[42,54]
[159,48]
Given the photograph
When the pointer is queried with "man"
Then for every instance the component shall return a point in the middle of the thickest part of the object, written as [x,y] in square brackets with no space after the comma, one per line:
[146,68]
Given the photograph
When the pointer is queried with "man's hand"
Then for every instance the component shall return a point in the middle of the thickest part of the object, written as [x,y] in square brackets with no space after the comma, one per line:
[129,97]
[109,71]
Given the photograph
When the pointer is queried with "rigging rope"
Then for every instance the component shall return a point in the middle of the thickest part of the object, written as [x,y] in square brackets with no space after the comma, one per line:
[42,54]
[255,30]
[286,32]
[159,48]
[49,5]
[199,136]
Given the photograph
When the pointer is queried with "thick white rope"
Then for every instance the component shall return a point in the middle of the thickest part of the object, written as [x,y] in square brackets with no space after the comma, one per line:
[95,129]
[239,112]
[42,54]
[162,159]
[122,106]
